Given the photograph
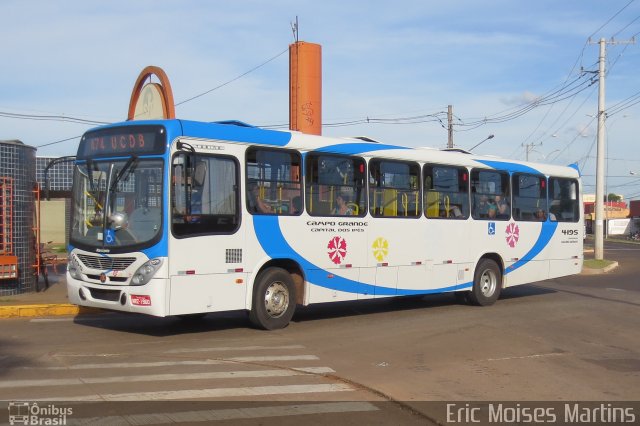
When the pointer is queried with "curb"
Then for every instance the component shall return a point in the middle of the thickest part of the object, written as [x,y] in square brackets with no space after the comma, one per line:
[591,271]
[45,310]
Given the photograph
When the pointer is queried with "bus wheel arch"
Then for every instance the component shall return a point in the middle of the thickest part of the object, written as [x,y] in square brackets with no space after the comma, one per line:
[487,280]
[277,289]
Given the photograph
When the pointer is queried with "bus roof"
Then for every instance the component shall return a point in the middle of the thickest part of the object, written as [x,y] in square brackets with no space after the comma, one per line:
[240,132]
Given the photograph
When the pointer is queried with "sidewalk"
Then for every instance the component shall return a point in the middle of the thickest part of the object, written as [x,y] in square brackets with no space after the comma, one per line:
[52,301]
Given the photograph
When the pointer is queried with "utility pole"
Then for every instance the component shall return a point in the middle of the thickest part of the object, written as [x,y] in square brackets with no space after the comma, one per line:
[529,147]
[450,126]
[600,177]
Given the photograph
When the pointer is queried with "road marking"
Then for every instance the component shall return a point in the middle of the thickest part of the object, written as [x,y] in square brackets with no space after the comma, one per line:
[526,356]
[84,355]
[231,414]
[615,289]
[273,358]
[316,370]
[164,377]
[131,365]
[236,348]
[208,393]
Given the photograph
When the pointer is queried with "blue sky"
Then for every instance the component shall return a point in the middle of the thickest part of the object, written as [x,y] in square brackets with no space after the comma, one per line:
[381,59]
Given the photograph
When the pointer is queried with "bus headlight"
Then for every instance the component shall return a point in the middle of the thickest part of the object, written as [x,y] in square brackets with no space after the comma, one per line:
[146,272]
[74,268]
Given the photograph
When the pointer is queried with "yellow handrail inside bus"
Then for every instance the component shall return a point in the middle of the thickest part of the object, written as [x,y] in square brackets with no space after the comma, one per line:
[405,203]
[331,198]
[94,199]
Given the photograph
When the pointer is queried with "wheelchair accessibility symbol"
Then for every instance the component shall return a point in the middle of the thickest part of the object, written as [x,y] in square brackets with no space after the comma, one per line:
[110,237]
[492,228]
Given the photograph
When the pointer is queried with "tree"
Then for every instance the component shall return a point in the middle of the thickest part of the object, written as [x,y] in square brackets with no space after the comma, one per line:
[614,197]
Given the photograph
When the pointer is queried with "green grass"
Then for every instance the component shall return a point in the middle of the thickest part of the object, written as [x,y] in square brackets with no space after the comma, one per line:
[597,264]
[61,248]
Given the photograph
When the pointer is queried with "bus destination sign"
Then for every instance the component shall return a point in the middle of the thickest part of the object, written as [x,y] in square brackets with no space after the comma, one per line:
[121,141]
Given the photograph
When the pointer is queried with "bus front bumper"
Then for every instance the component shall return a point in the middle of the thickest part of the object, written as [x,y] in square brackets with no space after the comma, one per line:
[150,299]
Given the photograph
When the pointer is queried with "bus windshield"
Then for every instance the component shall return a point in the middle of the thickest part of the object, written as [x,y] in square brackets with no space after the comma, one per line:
[117,203]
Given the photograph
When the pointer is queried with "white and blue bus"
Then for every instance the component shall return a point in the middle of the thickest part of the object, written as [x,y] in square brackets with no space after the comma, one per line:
[175,217]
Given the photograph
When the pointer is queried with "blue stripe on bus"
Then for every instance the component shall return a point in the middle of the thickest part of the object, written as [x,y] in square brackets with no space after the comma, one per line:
[509,167]
[235,133]
[547,231]
[357,148]
[576,168]
[276,246]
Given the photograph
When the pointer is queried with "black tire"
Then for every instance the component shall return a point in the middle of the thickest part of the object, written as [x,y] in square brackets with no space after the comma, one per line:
[274,299]
[487,283]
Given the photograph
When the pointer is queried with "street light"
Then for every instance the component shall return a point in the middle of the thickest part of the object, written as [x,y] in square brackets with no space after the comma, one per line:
[481,142]
[544,157]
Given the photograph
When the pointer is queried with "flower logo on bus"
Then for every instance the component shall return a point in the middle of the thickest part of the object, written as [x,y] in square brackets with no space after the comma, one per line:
[337,249]
[380,249]
[513,234]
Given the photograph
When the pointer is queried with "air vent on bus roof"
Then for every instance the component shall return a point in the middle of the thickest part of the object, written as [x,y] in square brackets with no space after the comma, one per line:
[234,123]
[463,151]
[363,138]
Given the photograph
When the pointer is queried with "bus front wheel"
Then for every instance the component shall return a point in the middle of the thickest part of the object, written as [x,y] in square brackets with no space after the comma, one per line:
[274,299]
[487,283]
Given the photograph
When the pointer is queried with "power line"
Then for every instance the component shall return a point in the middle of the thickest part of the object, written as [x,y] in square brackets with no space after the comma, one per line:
[611,19]
[625,27]
[624,104]
[38,117]
[568,91]
[233,79]
[60,141]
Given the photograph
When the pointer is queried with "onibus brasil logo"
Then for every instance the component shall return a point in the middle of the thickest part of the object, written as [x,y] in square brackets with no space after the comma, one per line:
[30,413]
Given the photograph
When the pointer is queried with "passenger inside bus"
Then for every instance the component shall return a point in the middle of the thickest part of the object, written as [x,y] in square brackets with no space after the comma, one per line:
[341,208]
[502,207]
[296,205]
[257,204]
[492,212]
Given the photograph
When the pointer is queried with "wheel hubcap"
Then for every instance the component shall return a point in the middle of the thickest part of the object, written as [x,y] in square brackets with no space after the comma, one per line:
[276,299]
[488,283]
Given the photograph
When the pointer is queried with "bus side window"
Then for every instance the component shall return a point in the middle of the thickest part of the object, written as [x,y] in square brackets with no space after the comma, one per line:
[446,192]
[563,199]
[491,194]
[394,188]
[204,196]
[529,197]
[335,185]
[273,181]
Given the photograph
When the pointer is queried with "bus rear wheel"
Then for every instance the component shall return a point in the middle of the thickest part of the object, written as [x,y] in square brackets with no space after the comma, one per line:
[274,299]
[487,283]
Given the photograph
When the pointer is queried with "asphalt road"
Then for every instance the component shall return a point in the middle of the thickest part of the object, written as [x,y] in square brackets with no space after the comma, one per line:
[574,338]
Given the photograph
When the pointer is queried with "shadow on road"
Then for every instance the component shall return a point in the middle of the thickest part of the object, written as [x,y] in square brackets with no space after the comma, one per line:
[170,326]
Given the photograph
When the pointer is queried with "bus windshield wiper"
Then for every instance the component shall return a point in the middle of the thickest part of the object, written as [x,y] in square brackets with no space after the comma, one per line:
[92,185]
[126,169]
